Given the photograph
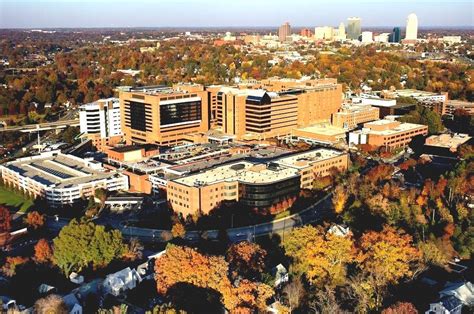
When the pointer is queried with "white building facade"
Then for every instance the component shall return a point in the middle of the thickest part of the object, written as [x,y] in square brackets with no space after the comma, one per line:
[101,117]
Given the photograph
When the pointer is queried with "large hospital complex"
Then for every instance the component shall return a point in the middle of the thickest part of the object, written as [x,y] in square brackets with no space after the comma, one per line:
[205,145]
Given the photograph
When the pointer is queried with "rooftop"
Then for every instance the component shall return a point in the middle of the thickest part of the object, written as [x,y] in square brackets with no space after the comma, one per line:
[447,140]
[305,159]
[242,171]
[325,129]
[55,168]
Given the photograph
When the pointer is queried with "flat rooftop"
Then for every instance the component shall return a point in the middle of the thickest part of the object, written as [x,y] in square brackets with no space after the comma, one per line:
[403,127]
[326,129]
[305,159]
[242,171]
[58,169]
[447,140]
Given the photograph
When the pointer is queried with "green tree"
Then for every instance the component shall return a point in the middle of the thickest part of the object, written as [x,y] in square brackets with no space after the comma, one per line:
[425,116]
[82,243]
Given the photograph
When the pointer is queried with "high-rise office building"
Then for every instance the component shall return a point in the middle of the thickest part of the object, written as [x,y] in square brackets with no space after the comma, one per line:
[306,32]
[395,36]
[284,32]
[274,107]
[100,121]
[323,32]
[342,30]
[354,28]
[163,115]
[412,27]
[367,37]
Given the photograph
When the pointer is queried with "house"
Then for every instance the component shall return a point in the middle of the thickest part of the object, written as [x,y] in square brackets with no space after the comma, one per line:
[73,304]
[446,305]
[46,289]
[464,291]
[121,281]
[339,230]
[7,303]
[281,274]
[452,298]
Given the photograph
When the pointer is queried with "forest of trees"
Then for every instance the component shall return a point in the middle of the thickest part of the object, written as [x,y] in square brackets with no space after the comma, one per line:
[88,72]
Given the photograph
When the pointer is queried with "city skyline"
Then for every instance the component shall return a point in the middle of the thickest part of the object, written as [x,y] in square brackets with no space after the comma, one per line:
[246,13]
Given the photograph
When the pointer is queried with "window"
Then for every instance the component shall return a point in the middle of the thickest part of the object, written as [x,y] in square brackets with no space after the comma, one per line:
[180,112]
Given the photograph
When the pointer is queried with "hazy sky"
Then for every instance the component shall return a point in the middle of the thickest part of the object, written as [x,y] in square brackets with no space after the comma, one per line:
[182,13]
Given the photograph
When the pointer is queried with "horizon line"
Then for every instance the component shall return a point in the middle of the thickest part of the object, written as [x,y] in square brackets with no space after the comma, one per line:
[223,26]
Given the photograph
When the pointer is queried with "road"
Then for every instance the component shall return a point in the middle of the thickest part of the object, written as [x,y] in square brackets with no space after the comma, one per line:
[41,126]
[313,213]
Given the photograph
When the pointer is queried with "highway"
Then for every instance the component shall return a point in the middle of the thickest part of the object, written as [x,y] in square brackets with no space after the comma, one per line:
[41,126]
[313,213]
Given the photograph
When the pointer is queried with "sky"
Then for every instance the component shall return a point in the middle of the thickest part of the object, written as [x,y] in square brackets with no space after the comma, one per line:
[233,13]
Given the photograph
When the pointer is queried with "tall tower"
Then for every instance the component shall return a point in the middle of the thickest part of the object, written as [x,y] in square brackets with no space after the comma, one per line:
[342,30]
[284,31]
[353,28]
[412,27]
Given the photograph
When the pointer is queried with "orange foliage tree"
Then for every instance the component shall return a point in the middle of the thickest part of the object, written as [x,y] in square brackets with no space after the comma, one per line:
[5,219]
[246,259]
[339,199]
[43,251]
[186,265]
[34,220]
[11,264]
[388,255]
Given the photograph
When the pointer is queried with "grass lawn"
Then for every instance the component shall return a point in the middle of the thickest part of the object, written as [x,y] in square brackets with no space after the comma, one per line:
[14,200]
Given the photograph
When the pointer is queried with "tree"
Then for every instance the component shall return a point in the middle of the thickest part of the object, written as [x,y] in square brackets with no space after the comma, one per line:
[183,265]
[178,230]
[34,220]
[294,292]
[5,219]
[43,251]
[389,255]
[186,265]
[134,250]
[53,303]
[425,116]
[401,308]
[384,258]
[246,259]
[101,194]
[321,256]
[325,302]
[11,264]
[339,199]
[82,243]
[69,134]
[252,296]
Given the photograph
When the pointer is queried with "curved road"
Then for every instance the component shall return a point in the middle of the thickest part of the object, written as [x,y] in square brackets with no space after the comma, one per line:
[313,213]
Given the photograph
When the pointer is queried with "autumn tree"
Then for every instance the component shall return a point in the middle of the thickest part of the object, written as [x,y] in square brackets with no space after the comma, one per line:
[52,303]
[34,220]
[134,250]
[339,199]
[178,230]
[5,219]
[251,296]
[401,308]
[186,265]
[293,293]
[82,243]
[388,254]
[11,264]
[246,259]
[321,256]
[384,258]
[43,251]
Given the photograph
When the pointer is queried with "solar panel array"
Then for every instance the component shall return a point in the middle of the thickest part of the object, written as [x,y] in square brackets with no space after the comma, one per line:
[75,167]
[53,172]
